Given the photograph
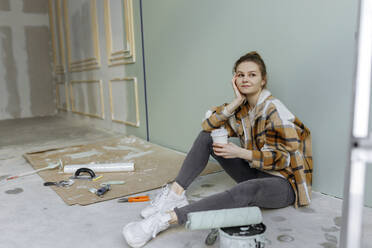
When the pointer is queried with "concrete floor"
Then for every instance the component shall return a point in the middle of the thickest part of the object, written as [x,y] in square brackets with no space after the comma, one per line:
[35,216]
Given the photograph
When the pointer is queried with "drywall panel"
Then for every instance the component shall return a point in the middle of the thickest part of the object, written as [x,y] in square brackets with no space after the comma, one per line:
[117,21]
[190,48]
[26,86]
[82,35]
[39,70]
[120,45]
[125,68]
[35,6]
[62,96]
[124,101]
[4,5]
[87,98]
[56,29]
[10,101]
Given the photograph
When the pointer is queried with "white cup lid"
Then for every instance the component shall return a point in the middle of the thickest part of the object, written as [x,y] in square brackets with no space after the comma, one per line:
[219,132]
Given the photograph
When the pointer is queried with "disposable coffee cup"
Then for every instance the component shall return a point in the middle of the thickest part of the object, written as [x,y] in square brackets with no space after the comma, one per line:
[219,136]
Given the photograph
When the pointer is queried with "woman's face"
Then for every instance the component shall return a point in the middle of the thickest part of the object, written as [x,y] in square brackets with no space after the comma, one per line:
[248,78]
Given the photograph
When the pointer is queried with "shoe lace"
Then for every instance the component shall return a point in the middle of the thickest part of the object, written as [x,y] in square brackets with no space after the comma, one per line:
[160,197]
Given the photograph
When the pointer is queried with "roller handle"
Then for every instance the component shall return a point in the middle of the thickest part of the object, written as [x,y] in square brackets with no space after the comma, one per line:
[86,170]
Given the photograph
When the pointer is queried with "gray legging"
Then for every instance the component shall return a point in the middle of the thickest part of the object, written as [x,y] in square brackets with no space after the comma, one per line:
[254,188]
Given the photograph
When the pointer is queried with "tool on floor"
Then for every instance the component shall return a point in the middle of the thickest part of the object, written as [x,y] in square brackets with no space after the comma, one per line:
[105,186]
[91,175]
[93,190]
[101,191]
[112,167]
[232,226]
[49,167]
[63,183]
[142,198]
[97,178]
[112,183]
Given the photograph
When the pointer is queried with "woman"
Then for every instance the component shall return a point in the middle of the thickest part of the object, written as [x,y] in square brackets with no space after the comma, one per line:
[272,168]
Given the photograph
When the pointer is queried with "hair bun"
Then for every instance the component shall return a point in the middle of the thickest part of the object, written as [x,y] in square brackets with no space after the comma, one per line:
[253,53]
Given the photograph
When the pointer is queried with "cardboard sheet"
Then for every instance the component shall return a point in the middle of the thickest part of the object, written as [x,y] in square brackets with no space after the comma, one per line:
[154,167]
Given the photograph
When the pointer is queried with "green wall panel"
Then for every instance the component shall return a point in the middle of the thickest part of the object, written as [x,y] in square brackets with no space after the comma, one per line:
[308,46]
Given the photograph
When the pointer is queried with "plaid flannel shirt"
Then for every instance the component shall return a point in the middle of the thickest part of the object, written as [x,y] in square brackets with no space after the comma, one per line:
[280,142]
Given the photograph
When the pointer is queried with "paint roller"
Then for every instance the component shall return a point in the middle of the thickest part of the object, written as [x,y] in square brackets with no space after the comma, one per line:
[111,167]
[223,218]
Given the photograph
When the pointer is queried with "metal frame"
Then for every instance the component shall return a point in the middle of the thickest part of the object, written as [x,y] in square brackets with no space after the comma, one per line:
[361,143]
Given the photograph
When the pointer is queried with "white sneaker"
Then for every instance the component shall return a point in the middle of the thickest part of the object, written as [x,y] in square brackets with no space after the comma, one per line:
[137,234]
[166,201]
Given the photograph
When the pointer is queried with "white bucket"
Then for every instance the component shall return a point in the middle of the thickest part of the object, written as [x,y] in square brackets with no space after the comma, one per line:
[241,237]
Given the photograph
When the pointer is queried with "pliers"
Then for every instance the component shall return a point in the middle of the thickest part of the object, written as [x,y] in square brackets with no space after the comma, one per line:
[142,198]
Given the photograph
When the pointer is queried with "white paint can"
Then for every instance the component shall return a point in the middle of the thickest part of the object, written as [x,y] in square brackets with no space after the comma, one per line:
[251,236]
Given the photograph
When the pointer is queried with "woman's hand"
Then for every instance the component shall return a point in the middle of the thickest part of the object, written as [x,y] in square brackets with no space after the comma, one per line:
[229,150]
[239,97]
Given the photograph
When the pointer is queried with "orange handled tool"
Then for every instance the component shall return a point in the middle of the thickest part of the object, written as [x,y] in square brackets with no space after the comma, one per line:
[142,198]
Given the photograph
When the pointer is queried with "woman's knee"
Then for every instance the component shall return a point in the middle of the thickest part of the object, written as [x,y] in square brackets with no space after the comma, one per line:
[263,192]
[204,138]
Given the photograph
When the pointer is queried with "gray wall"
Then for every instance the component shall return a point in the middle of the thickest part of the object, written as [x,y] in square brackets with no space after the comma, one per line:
[308,46]
[26,85]
[4,5]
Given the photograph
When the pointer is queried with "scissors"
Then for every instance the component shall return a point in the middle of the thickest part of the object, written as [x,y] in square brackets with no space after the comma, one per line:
[142,198]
